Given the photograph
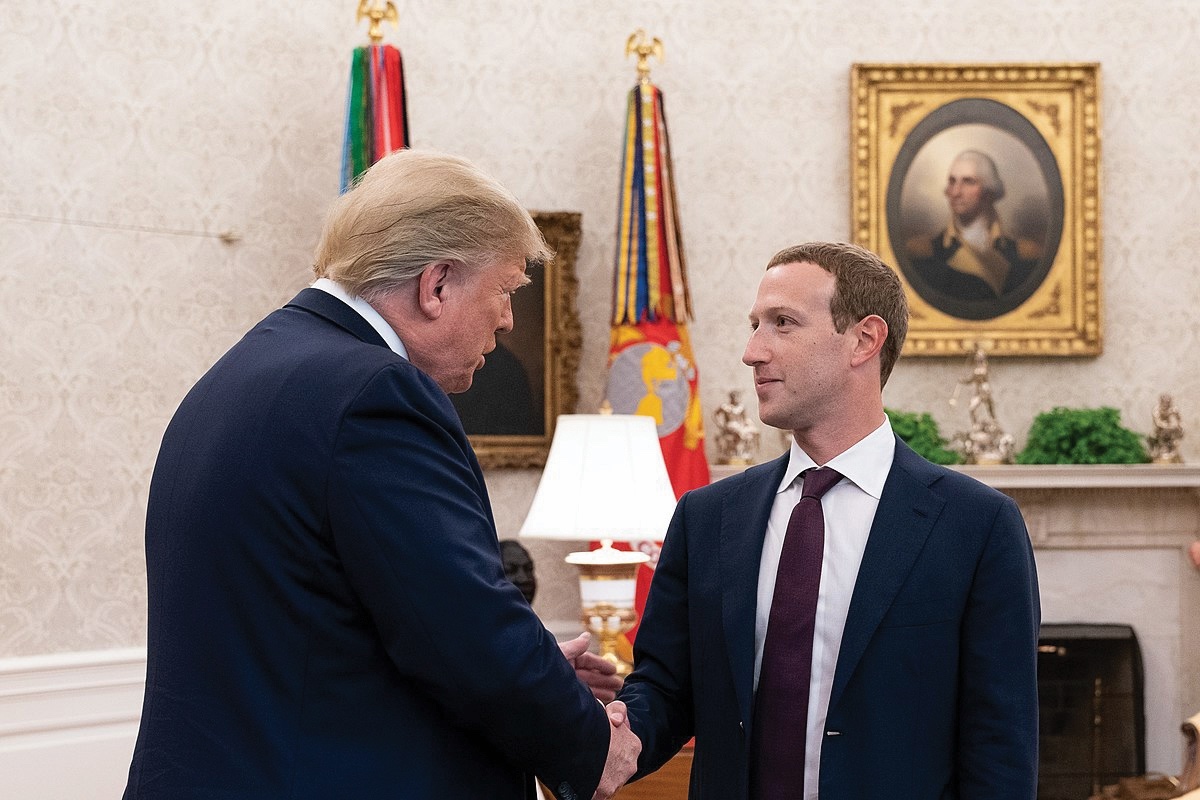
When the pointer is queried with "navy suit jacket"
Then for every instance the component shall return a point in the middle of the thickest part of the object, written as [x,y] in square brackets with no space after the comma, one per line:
[935,689]
[328,614]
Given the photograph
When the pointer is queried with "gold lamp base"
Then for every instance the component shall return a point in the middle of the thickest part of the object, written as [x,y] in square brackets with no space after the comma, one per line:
[607,584]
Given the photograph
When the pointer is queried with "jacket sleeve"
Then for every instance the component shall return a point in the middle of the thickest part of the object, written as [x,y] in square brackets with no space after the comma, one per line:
[659,692]
[410,521]
[998,700]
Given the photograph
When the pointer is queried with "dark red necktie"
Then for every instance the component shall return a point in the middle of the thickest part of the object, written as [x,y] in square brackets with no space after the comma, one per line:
[781,703]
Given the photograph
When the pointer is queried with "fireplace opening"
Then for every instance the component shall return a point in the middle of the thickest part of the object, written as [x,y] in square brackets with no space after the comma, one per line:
[1091,704]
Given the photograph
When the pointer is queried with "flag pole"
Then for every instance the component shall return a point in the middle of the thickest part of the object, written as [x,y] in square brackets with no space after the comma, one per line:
[651,369]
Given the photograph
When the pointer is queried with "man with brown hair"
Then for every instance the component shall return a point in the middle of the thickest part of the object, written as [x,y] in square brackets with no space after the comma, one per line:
[848,621]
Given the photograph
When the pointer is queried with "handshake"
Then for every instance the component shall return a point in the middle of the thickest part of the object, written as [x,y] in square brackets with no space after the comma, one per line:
[599,675]
[623,750]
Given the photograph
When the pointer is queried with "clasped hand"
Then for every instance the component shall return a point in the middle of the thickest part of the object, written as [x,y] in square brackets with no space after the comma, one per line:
[624,747]
[596,673]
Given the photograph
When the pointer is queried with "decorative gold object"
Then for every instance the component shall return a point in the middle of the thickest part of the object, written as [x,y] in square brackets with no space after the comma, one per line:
[1189,779]
[377,13]
[547,336]
[1013,254]
[604,574]
[986,442]
[1156,786]
[1168,430]
[605,479]
[637,44]
[737,436]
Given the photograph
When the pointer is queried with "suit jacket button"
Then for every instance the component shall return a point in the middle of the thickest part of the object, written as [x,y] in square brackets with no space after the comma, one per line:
[565,792]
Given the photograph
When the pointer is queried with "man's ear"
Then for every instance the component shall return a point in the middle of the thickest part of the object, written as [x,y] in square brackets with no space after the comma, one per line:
[870,334]
[431,288]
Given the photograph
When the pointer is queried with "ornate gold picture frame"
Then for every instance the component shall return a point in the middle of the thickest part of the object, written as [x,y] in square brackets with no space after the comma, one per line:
[529,379]
[979,184]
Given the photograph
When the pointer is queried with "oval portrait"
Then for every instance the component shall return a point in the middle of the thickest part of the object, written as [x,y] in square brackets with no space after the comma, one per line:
[975,209]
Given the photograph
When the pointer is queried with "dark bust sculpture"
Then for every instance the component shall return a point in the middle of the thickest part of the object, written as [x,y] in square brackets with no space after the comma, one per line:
[518,567]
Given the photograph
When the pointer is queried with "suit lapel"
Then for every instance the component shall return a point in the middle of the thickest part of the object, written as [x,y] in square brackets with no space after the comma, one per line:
[744,516]
[325,305]
[907,511]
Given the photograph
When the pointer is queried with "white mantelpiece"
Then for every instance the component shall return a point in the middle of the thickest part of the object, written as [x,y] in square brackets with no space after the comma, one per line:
[1111,546]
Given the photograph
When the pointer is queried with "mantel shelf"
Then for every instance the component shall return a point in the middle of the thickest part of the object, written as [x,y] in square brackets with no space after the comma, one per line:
[1066,476]
[1087,476]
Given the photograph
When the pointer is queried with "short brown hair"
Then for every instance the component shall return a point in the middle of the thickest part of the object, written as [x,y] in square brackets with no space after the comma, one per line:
[864,285]
[414,208]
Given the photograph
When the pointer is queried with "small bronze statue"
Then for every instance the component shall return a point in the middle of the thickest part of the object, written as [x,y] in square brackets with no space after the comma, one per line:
[737,437]
[1168,430]
[986,442]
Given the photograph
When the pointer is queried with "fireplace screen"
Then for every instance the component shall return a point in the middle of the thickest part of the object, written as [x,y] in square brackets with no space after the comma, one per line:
[1092,709]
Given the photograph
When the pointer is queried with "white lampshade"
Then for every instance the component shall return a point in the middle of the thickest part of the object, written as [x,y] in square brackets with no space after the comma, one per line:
[604,479]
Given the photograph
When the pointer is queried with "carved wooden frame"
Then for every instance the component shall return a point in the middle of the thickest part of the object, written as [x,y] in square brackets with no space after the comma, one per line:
[562,343]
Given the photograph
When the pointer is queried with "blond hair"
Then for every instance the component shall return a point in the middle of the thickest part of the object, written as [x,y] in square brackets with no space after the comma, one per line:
[415,208]
[863,285]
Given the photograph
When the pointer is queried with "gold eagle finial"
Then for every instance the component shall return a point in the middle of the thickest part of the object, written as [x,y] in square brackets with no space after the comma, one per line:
[637,44]
[377,13]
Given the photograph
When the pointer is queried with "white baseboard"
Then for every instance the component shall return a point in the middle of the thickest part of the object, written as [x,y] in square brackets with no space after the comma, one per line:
[68,722]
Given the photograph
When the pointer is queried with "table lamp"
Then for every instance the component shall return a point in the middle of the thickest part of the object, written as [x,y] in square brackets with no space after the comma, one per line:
[604,480]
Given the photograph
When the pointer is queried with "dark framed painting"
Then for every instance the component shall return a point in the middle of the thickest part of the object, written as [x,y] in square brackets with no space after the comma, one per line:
[529,379]
[979,184]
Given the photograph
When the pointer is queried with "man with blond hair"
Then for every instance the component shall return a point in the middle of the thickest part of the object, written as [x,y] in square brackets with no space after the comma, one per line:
[328,612]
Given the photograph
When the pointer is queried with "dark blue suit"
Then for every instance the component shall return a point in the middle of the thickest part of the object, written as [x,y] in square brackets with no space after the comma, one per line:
[935,690]
[328,613]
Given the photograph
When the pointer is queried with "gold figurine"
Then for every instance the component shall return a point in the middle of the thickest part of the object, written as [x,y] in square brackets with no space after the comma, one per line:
[1168,430]
[985,443]
[377,13]
[737,436]
[637,44]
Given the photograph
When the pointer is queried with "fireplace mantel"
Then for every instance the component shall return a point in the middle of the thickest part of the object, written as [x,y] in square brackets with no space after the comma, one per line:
[1087,476]
[1103,507]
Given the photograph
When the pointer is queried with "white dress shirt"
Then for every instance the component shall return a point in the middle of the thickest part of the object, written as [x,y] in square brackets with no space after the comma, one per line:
[364,309]
[849,510]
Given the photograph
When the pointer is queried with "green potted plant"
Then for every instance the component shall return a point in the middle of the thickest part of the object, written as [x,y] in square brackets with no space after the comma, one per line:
[920,432]
[1082,436]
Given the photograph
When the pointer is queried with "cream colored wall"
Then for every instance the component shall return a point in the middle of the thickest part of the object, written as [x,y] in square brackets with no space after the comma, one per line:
[126,130]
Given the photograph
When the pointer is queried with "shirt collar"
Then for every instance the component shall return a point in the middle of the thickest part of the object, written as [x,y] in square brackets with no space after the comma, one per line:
[366,311]
[952,232]
[866,464]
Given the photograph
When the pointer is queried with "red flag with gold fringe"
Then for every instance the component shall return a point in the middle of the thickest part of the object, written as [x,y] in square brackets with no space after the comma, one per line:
[651,369]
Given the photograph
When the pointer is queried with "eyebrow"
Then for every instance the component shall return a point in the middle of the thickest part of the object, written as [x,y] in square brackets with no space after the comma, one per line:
[773,311]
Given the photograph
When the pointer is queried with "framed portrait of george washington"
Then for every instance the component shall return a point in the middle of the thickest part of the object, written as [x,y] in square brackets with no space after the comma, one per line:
[529,379]
[979,184]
